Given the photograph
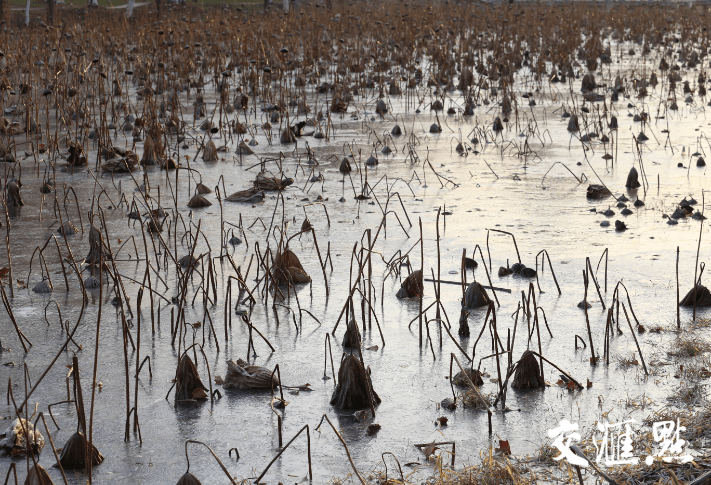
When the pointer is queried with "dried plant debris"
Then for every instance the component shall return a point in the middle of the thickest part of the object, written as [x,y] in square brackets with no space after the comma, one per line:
[252,196]
[361,146]
[473,375]
[598,192]
[264,182]
[241,375]
[18,435]
[689,346]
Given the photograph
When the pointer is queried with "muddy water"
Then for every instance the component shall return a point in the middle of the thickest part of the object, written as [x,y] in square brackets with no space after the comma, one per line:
[509,194]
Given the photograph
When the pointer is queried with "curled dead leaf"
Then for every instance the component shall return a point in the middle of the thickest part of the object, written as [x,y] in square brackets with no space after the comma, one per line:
[504,447]
[429,449]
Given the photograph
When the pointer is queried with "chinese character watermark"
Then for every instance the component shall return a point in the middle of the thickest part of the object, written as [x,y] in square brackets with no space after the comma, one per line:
[672,445]
[568,432]
[614,443]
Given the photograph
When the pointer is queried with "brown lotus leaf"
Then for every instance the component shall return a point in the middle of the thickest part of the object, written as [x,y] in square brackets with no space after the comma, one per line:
[354,386]
[527,374]
[596,191]
[198,201]
[287,268]
[209,154]
[241,375]
[73,455]
[187,380]
[412,286]
[252,195]
[203,189]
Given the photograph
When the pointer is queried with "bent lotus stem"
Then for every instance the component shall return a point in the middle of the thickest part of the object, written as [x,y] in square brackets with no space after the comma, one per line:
[271,379]
[591,273]
[605,254]
[187,458]
[488,276]
[13,469]
[23,338]
[545,253]
[327,340]
[51,442]
[452,360]
[402,477]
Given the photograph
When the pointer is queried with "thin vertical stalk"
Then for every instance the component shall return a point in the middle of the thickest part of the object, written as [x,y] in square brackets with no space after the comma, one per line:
[90,436]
